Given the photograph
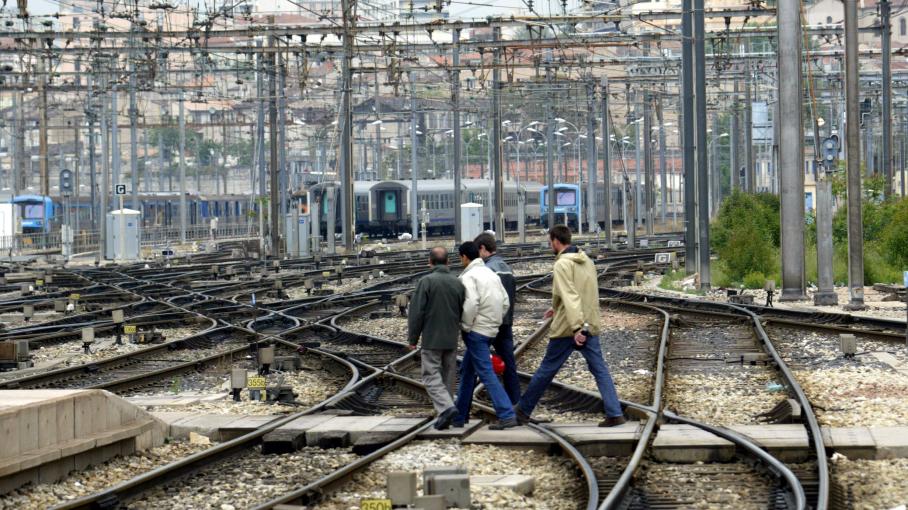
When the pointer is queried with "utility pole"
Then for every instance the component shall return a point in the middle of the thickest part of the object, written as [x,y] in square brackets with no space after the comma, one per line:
[649,189]
[606,166]
[748,133]
[283,171]
[347,129]
[42,127]
[275,198]
[182,120]
[715,170]
[260,134]
[19,171]
[378,155]
[591,165]
[114,135]
[853,149]
[455,110]
[687,137]
[885,46]
[133,136]
[663,184]
[702,167]
[160,162]
[549,169]
[734,152]
[495,140]
[105,174]
[91,117]
[224,146]
[791,150]
[414,159]
[639,204]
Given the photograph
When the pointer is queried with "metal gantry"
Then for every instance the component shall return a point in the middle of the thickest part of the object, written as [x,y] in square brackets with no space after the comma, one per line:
[459,73]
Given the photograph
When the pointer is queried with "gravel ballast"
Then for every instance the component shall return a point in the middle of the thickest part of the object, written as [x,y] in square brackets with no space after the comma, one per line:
[556,478]
[244,480]
[871,484]
[94,479]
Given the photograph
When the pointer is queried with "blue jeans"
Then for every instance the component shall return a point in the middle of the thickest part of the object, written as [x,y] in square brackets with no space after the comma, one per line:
[557,352]
[476,362]
[504,347]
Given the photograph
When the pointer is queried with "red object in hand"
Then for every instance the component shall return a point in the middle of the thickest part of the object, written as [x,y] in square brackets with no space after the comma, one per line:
[497,364]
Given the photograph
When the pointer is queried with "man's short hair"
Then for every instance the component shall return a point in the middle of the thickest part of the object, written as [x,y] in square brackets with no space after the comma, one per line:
[469,250]
[438,256]
[486,239]
[561,233]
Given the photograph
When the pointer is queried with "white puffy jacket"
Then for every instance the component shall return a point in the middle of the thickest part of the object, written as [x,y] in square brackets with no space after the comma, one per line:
[486,301]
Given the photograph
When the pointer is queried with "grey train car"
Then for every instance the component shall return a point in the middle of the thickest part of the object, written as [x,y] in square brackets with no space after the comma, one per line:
[383,207]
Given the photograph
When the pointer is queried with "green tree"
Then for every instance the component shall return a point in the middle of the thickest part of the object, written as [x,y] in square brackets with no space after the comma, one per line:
[746,234]
[894,235]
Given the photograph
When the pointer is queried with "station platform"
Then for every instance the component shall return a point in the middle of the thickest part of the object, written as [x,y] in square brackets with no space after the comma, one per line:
[48,433]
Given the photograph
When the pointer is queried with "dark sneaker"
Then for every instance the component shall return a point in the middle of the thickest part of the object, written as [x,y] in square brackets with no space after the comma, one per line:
[504,424]
[613,421]
[522,417]
[457,424]
[445,418]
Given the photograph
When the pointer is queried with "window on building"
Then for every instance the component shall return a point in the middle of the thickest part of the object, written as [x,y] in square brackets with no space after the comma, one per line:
[903,26]
[829,20]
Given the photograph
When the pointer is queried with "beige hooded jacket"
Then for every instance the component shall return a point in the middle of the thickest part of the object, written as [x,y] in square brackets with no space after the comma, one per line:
[575,295]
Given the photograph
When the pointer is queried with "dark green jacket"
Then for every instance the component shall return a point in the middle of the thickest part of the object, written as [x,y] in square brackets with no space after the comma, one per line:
[435,310]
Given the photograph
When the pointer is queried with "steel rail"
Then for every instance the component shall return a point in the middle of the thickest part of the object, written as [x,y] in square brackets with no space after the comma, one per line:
[129,489]
[709,307]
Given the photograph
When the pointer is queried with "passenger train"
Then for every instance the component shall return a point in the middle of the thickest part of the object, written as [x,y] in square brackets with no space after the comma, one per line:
[571,200]
[381,207]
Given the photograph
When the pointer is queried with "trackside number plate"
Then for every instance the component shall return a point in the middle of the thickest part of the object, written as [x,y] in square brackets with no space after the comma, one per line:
[256,382]
[375,504]
[129,330]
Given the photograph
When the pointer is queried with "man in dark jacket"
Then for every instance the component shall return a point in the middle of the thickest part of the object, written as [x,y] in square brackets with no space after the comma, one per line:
[435,312]
[504,341]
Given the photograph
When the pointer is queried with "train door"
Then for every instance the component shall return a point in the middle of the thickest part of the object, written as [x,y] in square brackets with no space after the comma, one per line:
[389,205]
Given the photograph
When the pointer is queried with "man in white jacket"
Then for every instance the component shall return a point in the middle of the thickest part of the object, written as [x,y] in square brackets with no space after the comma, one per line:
[484,308]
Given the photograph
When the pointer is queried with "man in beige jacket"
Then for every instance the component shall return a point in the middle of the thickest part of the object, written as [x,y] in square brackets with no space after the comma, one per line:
[575,326]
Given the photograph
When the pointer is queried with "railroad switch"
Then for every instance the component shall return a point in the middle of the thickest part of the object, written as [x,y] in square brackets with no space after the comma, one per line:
[786,411]
[287,363]
[266,359]
[88,338]
[118,318]
[282,394]
[848,343]
[238,380]
[749,358]
[402,300]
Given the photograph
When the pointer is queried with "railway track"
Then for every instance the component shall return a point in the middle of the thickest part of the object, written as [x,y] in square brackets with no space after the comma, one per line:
[641,482]
[382,378]
[144,366]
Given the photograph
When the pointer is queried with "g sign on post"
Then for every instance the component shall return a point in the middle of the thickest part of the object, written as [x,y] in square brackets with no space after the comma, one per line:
[120,189]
